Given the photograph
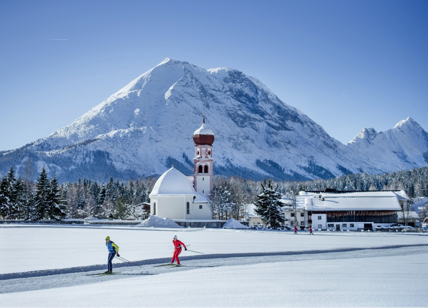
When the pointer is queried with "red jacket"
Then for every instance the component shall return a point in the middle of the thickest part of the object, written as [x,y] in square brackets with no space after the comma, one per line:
[177,244]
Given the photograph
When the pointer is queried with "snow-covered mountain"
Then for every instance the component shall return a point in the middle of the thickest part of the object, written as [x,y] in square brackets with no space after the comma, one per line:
[148,125]
[403,147]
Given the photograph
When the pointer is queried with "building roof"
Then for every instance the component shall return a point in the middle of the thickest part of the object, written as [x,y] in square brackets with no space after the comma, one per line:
[355,201]
[200,198]
[173,182]
[410,214]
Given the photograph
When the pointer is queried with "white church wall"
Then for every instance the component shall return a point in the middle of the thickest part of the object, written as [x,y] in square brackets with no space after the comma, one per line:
[173,207]
[180,207]
[201,211]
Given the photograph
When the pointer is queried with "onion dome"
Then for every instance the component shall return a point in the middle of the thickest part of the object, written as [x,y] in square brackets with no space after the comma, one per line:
[203,135]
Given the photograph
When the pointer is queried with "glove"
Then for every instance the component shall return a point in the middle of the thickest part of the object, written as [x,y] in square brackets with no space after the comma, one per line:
[118,255]
[185,248]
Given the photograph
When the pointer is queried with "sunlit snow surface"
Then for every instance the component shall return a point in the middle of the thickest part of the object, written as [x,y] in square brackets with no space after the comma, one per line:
[47,266]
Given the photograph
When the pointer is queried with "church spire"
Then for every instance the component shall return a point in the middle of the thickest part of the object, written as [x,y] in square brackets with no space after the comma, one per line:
[203,161]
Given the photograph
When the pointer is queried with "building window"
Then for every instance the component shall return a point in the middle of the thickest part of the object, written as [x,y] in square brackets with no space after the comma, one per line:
[351,225]
[302,214]
[202,179]
[344,225]
[319,218]
[206,169]
[200,169]
[200,206]
[188,208]
[319,226]
[292,214]
[330,225]
[154,208]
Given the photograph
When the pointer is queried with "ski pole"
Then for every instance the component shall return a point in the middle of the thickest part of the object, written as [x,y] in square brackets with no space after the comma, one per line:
[195,251]
[125,260]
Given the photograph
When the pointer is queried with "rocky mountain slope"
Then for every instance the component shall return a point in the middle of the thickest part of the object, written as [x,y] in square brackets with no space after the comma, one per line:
[148,125]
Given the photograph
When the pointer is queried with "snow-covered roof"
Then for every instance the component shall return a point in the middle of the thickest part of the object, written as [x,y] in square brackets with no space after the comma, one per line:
[410,214]
[173,182]
[401,195]
[200,198]
[286,201]
[355,201]
[203,130]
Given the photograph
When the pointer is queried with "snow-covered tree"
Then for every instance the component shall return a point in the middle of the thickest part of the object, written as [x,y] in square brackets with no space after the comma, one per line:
[20,207]
[222,198]
[4,198]
[122,210]
[40,204]
[268,206]
[56,208]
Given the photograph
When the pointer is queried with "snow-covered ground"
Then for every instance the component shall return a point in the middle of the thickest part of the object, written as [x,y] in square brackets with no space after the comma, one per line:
[47,266]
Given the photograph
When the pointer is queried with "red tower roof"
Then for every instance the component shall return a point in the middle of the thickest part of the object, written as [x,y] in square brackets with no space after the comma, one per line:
[203,135]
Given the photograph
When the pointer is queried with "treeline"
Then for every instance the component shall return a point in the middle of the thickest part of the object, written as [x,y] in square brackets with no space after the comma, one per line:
[45,199]
[413,182]
[31,201]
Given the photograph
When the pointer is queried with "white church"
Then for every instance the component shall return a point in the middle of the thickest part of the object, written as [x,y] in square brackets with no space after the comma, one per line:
[185,199]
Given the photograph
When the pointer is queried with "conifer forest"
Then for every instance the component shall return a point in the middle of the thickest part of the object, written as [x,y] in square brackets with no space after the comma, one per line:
[46,199]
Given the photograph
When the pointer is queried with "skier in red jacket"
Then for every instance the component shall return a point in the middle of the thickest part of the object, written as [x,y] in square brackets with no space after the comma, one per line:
[177,249]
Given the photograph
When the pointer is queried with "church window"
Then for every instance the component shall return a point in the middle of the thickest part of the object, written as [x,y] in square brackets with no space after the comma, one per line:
[206,169]
[188,208]
[200,169]
[154,208]
[200,206]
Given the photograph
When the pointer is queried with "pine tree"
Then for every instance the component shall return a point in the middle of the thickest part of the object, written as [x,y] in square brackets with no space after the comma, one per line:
[122,209]
[4,198]
[21,204]
[13,194]
[269,207]
[40,206]
[56,207]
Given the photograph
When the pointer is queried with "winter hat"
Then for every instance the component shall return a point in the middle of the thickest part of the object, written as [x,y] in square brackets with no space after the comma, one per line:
[108,237]
[175,236]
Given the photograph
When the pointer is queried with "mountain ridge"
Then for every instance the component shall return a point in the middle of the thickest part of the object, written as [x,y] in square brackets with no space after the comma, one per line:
[148,124]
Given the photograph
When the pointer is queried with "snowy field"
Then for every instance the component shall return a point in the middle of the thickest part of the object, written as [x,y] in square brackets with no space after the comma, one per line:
[48,266]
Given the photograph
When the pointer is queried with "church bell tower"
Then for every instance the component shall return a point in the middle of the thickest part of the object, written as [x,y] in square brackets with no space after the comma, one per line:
[203,161]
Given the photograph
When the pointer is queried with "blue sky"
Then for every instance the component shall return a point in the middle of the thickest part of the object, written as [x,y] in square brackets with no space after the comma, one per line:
[346,64]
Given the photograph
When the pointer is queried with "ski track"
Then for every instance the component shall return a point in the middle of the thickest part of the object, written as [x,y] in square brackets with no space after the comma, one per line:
[49,279]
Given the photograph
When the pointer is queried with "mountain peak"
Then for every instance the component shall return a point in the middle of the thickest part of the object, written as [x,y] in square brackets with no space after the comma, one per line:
[171,61]
[365,134]
[409,122]
[148,125]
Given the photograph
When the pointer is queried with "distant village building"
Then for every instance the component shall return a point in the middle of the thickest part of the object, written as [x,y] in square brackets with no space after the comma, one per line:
[186,199]
[408,218]
[347,210]
[342,211]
